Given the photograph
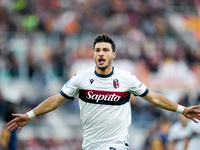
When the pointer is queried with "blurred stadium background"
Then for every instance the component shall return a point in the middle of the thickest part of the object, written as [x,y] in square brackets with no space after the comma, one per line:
[44,42]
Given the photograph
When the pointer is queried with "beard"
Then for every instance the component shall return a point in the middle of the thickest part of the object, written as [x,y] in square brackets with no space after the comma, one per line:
[103,68]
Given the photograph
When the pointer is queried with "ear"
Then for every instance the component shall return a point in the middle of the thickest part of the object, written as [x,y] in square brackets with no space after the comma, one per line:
[114,55]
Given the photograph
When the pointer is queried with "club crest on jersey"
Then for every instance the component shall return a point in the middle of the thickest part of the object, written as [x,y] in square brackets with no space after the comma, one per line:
[116,83]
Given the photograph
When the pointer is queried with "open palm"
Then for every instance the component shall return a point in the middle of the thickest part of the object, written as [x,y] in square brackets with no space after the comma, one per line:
[192,112]
[19,121]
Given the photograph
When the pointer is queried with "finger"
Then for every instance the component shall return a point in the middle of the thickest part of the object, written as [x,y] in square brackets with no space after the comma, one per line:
[9,123]
[12,121]
[11,126]
[197,111]
[197,117]
[196,106]
[197,114]
[14,127]
[194,120]
[19,129]
[15,115]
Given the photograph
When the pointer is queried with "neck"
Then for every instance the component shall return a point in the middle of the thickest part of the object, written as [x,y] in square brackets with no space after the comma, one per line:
[107,71]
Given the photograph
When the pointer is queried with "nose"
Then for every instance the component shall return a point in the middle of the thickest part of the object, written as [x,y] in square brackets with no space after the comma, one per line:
[101,53]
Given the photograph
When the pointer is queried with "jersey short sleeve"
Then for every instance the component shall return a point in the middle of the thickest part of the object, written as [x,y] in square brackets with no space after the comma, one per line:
[70,88]
[137,88]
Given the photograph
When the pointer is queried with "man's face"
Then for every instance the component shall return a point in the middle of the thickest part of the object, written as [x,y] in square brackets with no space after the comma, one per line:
[103,55]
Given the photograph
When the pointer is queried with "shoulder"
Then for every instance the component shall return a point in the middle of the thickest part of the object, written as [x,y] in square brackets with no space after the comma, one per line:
[122,72]
[129,78]
[80,76]
[85,73]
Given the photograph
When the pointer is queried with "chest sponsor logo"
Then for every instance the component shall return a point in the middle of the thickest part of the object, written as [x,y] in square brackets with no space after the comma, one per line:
[100,97]
[104,97]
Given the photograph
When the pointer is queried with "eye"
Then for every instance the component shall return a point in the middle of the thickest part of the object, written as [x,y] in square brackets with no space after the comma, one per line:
[97,50]
[106,50]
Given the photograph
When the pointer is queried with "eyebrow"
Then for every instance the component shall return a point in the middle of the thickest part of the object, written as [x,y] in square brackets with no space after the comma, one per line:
[105,48]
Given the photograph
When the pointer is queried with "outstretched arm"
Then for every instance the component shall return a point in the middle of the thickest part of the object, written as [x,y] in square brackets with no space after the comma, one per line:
[46,106]
[161,101]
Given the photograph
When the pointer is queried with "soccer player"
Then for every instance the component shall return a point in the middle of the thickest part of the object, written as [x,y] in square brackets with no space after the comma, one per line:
[104,93]
[184,135]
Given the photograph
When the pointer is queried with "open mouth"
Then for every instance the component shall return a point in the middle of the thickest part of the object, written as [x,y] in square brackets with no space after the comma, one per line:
[101,61]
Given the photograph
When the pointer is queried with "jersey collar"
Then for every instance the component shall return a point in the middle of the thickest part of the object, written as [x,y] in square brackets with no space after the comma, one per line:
[104,76]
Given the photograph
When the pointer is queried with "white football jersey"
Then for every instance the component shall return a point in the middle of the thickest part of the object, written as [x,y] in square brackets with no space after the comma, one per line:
[179,133]
[104,105]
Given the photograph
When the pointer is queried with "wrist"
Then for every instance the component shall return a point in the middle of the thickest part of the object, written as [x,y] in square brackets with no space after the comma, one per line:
[180,109]
[31,114]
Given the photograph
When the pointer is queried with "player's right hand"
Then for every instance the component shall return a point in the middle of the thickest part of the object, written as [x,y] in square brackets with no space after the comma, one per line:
[19,121]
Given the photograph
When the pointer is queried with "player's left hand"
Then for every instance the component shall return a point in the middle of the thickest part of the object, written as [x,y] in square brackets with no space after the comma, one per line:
[192,112]
[19,121]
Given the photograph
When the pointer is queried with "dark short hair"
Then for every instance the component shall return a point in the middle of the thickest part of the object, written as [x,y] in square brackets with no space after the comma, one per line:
[104,38]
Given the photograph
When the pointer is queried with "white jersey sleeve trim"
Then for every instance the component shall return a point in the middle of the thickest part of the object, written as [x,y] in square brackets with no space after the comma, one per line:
[66,96]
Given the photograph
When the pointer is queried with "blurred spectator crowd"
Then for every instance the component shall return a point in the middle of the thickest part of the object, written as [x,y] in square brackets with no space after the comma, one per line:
[41,39]
[34,28]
